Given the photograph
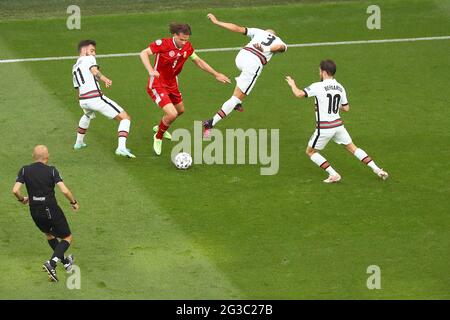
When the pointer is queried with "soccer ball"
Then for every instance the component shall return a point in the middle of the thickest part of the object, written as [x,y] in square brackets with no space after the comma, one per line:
[183,161]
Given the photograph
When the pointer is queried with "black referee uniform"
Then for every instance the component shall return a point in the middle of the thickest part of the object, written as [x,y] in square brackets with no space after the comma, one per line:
[40,181]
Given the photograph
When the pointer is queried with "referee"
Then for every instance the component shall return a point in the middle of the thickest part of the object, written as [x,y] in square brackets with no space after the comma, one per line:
[40,180]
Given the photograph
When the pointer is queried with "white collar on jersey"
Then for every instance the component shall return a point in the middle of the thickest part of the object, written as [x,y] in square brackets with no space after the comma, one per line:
[175,44]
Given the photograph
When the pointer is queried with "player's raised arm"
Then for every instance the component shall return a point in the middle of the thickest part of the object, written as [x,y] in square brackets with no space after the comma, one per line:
[299,93]
[206,67]
[227,25]
[99,76]
[145,58]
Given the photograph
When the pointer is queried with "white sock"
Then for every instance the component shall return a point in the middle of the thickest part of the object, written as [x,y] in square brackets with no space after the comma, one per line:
[323,163]
[80,138]
[362,156]
[83,125]
[226,109]
[124,129]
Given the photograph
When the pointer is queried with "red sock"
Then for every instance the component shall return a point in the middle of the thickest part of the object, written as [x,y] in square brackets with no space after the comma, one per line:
[162,128]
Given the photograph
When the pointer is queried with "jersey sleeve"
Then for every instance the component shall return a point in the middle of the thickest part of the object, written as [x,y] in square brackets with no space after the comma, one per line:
[156,46]
[56,176]
[251,32]
[21,175]
[279,41]
[312,90]
[91,62]
[344,100]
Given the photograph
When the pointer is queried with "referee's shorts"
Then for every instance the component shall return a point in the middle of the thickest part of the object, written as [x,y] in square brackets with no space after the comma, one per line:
[51,219]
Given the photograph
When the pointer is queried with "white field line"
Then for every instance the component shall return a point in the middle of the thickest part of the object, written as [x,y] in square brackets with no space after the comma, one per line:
[295,45]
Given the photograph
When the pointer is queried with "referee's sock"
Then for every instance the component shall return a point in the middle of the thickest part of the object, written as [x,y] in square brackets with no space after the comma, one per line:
[226,109]
[53,243]
[58,254]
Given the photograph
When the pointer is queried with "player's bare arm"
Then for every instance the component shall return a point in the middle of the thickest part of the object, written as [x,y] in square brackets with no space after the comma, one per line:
[202,64]
[274,48]
[100,77]
[299,93]
[18,194]
[345,108]
[145,58]
[227,25]
[68,194]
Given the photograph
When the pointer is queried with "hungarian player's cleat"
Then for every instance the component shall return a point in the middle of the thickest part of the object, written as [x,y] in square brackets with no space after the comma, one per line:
[78,146]
[157,145]
[239,107]
[50,271]
[68,263]
[166,135]
[207,126]
[125,153]
[382,174]
[333,178]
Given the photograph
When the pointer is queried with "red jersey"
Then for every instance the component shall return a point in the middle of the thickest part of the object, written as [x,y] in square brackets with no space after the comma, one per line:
[169,61]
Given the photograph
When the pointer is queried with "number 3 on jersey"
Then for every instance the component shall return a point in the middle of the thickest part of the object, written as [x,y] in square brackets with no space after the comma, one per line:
[333,103]
[174,64]
[270,39]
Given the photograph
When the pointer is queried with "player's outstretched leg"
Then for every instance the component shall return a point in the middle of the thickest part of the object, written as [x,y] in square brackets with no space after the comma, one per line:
[83,125]
[170,114]
[362,156]
[234,103]
[123,131]
[226,109]
[317,158]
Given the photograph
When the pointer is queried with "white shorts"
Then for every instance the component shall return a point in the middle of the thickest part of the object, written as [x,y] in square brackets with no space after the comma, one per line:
[103,104]
[320,137]
[250,67]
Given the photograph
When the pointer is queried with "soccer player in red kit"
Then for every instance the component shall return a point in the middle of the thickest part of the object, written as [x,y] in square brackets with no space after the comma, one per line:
[171,54]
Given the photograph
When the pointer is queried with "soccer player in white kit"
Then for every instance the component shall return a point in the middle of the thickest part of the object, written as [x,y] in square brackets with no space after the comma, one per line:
[86,75]
[330,97]
[250,61]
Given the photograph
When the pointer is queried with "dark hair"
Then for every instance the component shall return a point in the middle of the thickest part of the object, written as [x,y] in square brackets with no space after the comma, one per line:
[328,66]
[84,43]
[180,28]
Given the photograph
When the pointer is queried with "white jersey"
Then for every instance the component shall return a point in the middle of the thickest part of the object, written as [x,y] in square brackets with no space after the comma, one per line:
[266,40]
[330,97]
[83,79]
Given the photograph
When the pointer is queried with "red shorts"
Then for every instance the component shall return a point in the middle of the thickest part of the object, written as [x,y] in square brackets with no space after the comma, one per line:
[164,95]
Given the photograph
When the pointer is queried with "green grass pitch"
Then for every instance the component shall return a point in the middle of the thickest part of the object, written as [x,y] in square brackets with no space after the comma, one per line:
[148,231]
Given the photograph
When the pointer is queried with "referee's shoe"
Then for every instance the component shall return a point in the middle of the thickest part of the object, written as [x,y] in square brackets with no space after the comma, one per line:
[51,271]
[68,263]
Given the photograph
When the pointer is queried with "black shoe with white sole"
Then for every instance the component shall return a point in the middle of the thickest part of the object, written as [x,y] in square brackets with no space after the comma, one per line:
[51,271]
